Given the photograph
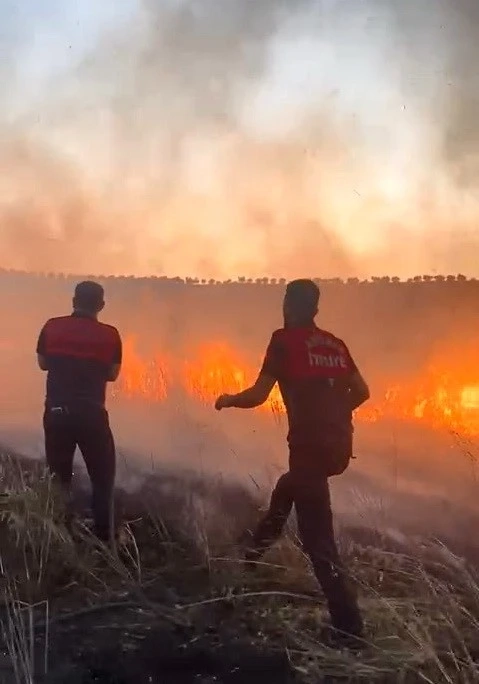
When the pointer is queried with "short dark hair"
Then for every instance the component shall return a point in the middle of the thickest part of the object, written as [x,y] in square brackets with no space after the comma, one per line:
[89,296]
[302,297]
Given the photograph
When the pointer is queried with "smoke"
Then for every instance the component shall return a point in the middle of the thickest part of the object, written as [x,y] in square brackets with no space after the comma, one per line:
[223,137]
[461,134]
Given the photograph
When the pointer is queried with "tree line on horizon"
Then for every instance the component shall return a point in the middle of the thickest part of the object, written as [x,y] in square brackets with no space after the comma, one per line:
[241,280]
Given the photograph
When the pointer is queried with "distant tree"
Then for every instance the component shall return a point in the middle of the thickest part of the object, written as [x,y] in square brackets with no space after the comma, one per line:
[282,281]
[461,277]
[242,279]
[439,278]
[417,279]
[451,278]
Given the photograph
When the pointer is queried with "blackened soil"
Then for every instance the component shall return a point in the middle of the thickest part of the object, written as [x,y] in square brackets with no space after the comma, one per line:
[116,653]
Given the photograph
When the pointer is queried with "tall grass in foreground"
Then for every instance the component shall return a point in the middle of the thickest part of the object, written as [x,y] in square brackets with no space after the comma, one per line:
[421,603]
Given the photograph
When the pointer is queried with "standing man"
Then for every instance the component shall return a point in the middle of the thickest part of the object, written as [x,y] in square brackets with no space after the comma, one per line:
[321,386]
[81,355]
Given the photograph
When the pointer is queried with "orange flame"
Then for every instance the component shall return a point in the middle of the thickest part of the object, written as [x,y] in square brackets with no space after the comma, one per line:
[140,378]
[444,395]
[216,370]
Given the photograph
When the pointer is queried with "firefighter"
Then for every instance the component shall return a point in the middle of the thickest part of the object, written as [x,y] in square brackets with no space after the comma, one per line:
[321,386]
[81,355]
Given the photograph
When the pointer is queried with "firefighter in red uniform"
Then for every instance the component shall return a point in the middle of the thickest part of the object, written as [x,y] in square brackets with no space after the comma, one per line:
[81,355]
[321,386]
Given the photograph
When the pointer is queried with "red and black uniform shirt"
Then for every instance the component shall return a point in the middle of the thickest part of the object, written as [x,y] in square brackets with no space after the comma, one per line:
[313,369]
[80,352]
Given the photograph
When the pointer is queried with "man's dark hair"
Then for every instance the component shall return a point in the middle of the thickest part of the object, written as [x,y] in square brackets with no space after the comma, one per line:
[89,296]
[302,298]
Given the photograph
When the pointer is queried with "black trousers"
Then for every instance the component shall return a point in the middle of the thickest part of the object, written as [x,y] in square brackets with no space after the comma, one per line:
[87,427]
[310,495]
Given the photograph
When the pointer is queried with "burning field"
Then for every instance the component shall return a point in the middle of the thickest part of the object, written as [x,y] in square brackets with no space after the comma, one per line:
[230,140]
[174,602]
[444,395]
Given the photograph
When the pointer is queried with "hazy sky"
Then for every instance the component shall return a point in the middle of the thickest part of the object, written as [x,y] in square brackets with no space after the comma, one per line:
[42,39]
[228,137]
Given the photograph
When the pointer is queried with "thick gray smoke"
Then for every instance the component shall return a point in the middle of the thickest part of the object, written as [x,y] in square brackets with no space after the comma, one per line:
[227,137]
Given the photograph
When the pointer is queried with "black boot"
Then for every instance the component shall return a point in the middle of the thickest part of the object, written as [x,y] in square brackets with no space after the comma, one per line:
[347,627]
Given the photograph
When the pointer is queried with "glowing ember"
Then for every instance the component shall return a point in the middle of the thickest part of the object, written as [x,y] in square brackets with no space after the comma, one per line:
[441,396]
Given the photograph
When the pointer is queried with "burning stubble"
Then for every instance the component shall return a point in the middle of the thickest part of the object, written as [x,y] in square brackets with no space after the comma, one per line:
[252,138]
[222,139]
[185,344]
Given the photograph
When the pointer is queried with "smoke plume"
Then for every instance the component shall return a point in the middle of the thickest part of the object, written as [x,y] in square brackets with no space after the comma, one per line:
[225,137]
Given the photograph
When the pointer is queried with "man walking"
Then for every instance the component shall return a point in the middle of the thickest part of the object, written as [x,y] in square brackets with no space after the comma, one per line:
[81,355]
[321,386]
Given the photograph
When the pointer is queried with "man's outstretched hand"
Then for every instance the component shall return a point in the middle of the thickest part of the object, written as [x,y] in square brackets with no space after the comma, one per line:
[223,401]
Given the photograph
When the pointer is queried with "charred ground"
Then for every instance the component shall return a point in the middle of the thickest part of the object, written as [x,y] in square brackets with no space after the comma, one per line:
[175,604]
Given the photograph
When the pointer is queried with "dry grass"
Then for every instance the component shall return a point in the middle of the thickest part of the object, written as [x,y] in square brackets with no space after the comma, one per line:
[179,573]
